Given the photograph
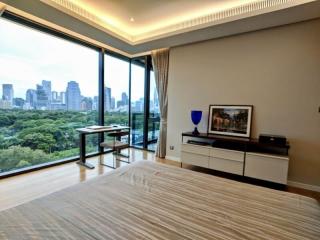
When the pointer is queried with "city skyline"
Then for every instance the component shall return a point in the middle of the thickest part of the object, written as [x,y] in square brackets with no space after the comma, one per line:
[43,56]
[43,97]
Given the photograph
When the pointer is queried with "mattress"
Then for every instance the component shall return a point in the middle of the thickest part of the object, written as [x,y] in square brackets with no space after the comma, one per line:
[148,200]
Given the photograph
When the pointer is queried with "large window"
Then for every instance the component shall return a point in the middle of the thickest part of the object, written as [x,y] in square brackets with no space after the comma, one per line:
[154,114]
[116,91]
[137,104]
[48,89]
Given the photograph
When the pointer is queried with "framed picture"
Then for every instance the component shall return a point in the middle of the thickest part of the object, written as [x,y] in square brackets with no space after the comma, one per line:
[231,120]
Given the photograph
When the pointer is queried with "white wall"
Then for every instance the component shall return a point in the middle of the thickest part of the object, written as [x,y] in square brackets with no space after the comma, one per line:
[276,70]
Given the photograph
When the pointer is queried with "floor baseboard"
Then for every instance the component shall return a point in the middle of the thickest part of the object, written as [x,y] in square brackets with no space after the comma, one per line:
[172,158]
[304,186]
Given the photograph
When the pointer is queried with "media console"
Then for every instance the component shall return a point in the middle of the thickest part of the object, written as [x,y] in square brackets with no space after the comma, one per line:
[242,156]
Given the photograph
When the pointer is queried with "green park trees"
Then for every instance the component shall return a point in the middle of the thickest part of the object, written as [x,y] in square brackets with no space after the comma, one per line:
[33,137]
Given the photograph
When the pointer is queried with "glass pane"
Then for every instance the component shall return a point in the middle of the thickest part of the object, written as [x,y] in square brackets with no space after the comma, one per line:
[154,114]
[116,98]
[137,105]
[116,92]
[48,89]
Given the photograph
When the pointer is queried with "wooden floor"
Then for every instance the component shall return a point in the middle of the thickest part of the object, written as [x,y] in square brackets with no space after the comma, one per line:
[23,188]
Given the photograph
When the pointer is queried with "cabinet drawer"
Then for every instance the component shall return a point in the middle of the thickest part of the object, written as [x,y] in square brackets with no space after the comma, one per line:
[202,150]
[226,165]
[267,167]
[194,159]
[227,154]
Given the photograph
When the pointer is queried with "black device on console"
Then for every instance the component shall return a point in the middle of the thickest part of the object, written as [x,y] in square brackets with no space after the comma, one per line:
[275,139]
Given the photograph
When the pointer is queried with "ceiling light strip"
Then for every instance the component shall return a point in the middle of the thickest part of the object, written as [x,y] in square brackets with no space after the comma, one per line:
[218,16]
[235,13]
[84,15]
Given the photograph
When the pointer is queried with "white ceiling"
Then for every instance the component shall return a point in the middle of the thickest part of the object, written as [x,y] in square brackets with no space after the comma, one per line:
[160,23]
[140,21]
[150,15]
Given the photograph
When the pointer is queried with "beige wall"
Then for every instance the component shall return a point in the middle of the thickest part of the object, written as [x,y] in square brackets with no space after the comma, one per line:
[276,70]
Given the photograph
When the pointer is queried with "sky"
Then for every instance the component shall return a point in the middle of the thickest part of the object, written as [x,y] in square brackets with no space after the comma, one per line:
[28,56]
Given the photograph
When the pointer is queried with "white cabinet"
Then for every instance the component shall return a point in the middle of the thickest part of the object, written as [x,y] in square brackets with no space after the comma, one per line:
[267,167]
[215,158]
[195,159]
[226,160]
[226,165]
[195,155]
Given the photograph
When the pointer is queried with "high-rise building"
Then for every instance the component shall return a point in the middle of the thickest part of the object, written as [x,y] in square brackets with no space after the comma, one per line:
[95,103]
[18,102]
[113,103]
[42,98]
[31,98]
[62,97]
[107,99]
[55,96]
[47,88]
[119,104]
[57,106]
[139,105]
[124,99]
[86,104]
[7,93]
[73,96]
[5,104]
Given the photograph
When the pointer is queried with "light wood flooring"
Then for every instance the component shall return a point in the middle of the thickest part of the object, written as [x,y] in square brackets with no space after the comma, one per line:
[25,187]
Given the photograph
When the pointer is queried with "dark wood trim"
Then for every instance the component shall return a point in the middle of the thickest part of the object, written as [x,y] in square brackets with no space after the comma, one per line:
[243,144]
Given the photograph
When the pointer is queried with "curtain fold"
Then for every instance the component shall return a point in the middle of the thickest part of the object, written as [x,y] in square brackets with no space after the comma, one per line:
[160,61]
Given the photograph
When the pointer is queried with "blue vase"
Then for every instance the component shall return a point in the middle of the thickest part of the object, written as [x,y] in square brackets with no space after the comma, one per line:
[196,118]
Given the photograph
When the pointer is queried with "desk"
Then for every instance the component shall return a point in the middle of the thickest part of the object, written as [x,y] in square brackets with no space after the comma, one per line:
[82,137]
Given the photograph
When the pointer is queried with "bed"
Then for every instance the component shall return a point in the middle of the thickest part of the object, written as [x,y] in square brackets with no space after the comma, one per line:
[148,200]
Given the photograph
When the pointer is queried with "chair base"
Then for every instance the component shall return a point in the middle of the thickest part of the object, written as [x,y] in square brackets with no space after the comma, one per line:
[106,165]
[116,154]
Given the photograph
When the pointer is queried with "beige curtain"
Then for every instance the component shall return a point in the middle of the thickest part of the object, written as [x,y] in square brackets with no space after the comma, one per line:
[2,8]
[160,61]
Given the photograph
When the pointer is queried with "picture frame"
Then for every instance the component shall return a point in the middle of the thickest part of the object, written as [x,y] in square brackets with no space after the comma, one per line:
[230,120]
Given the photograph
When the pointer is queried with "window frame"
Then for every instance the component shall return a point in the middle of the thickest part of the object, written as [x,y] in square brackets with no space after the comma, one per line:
[144,61]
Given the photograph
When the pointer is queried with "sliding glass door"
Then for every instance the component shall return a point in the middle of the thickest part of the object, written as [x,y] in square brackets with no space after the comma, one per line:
[145,115]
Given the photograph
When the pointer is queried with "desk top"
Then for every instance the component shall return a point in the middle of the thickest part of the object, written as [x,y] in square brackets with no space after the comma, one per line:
[102,129]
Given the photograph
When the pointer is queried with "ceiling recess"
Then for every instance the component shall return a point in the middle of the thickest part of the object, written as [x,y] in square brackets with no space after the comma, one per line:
[248,8]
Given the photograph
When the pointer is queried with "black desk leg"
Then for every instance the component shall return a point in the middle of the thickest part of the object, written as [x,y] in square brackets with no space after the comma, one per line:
[82,160]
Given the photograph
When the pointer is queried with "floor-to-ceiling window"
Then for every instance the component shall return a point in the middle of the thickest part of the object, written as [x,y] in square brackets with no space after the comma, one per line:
[48,89]
[137,103]
[116,90]
[154,114]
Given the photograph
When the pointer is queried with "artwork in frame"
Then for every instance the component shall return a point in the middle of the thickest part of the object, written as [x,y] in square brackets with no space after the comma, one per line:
[231,120]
